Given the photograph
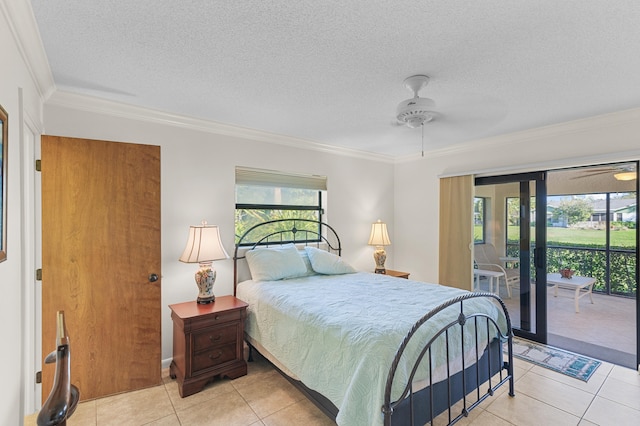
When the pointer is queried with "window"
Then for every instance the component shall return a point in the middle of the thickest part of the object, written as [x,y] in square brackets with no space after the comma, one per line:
[512,213]
[479,220]
[263,195]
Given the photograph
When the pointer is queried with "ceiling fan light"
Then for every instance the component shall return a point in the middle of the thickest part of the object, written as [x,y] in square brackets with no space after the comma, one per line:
[415,121]
[415,111]
[625,176]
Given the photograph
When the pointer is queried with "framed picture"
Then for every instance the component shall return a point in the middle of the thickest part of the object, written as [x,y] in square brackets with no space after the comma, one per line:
[4,140]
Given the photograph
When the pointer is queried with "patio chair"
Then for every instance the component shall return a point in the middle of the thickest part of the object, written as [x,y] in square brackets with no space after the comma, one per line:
[486,258]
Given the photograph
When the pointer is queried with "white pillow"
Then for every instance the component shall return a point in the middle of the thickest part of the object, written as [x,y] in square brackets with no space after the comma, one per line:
[271,264]
[327,263]
[307,263]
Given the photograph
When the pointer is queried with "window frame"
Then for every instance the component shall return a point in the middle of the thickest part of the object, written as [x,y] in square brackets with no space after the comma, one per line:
[484,221]
[275,179]
[283,207]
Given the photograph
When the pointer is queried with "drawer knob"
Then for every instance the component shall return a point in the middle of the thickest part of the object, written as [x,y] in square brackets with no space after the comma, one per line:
[216,356]
[216,317]
[213,339]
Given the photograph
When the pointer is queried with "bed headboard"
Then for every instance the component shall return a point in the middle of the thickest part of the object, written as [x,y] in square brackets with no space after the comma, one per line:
[306,232]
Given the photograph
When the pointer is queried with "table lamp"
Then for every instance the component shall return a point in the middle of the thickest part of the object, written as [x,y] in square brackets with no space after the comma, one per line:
[203,247]
[379,238]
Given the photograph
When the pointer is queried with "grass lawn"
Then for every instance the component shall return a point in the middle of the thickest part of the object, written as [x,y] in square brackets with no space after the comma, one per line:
[588,237]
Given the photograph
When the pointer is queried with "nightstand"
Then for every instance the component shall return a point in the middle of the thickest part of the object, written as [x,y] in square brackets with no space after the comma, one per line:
[207,342]
[397,274]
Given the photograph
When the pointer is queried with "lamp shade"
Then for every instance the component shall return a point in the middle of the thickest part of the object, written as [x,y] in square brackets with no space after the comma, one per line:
[379,235]
[203,245]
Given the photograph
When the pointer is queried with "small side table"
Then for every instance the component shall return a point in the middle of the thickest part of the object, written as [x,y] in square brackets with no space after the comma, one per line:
[397,274]
[493,277]
[207,342]
[582,286]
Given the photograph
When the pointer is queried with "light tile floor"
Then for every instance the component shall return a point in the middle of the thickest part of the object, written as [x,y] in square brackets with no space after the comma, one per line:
[265,398]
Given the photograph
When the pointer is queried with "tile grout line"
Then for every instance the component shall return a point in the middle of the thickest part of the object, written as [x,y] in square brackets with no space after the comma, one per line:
[175,412]
[593,396]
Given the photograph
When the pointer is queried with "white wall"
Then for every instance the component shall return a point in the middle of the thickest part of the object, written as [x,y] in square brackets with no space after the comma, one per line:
[198,182]
[611,137]
[21,99]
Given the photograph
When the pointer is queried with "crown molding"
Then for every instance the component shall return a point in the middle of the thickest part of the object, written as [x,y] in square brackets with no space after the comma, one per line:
[97,105]
[508,140]
[24,28]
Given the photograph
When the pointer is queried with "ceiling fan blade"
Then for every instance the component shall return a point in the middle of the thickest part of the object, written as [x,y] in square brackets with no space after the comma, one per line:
[601,170]
[464,117]
[472,106]
[587,175]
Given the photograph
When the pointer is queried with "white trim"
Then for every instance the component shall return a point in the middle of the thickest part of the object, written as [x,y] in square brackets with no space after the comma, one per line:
[166,363]
[30,324]
[118,109]
[23,26]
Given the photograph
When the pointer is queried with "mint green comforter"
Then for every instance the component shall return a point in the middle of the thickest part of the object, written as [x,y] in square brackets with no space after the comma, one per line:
[339,334]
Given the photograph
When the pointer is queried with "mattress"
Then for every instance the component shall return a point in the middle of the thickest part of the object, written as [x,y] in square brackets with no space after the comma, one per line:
[338,334]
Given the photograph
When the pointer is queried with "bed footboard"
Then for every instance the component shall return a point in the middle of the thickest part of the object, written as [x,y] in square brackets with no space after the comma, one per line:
[460,391]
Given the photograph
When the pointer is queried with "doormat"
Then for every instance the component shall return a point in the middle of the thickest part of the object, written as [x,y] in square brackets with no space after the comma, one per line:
[573,365]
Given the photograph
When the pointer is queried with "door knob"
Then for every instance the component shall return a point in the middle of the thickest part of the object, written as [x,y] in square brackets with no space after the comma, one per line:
[153,278]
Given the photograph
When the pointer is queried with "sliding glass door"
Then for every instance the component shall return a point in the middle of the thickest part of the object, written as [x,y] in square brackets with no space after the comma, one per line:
[514,227]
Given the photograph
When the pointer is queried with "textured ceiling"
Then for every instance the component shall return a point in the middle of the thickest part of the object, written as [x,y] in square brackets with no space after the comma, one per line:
[331,72]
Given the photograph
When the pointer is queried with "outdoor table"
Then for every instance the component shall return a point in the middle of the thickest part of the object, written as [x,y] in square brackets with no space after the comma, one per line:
[492,276]
[581,285]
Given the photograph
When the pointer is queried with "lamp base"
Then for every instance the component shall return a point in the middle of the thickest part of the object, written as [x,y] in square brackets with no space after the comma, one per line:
[205,278]
[206,300]
[380,256]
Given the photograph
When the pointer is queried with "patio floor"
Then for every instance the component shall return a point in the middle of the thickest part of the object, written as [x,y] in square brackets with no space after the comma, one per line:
[604,330]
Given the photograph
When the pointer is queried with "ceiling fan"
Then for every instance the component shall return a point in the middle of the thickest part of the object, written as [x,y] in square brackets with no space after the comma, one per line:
[622,172]
[416,111]
[460,116]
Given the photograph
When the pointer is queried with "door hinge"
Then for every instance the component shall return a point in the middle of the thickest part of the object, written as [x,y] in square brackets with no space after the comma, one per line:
[38,274]
[38,165]
[38,376]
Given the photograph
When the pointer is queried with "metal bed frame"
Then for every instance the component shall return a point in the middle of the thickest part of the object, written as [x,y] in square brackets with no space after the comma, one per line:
[419,406]
[286,231]
[422,406]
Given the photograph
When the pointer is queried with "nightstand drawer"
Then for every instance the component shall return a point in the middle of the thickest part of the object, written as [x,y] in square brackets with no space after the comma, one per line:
[216,318]
[213,357]
[215,336]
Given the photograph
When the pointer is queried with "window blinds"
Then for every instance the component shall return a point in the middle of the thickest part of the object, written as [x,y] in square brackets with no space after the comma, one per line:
[249,176]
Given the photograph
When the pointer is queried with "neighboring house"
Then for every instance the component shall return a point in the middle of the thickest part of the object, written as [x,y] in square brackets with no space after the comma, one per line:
[559,222]
[621,210]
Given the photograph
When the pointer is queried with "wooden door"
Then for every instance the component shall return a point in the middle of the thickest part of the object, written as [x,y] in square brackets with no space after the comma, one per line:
[100,246]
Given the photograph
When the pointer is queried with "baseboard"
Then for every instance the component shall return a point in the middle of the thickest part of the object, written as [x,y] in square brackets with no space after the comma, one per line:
[166,363]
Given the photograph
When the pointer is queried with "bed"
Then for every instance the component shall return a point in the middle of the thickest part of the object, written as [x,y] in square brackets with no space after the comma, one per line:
[368,349]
